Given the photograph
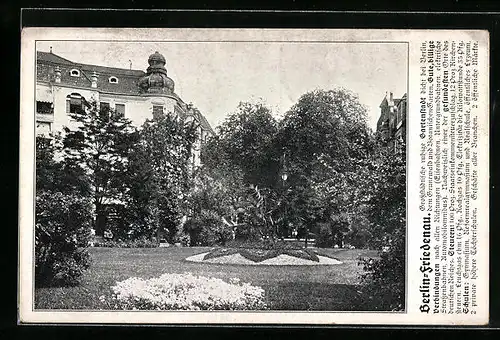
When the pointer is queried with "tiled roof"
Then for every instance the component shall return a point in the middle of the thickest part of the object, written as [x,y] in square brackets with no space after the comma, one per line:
[53,58]
[127,79]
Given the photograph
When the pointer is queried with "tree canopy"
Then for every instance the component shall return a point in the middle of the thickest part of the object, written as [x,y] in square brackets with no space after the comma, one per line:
[244,143]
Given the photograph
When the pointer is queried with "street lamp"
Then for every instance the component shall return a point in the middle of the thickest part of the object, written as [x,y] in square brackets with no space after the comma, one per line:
[284,177]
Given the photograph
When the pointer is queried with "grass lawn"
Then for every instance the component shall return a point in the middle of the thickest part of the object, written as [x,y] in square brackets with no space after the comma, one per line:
[328,288]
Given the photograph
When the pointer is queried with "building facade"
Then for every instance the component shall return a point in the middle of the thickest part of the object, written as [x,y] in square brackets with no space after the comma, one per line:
[64,87]
[391,125]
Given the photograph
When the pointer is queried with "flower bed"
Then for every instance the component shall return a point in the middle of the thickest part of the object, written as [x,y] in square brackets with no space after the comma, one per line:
[218,252]
[186,292]
[260,254]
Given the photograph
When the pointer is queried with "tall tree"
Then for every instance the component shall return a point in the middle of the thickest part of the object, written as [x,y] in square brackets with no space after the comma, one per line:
[100,144]
[159,174]
[386,188]
[244,143]
[324,139]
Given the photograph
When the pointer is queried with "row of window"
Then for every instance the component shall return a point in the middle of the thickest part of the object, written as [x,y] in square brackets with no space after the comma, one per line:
[119,108]
[76,73]
[76,104]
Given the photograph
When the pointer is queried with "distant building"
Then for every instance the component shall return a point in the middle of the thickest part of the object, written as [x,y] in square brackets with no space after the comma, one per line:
[391,125]
[64,87]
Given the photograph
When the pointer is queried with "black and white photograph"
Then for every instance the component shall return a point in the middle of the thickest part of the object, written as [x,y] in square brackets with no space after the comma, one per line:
[220,175]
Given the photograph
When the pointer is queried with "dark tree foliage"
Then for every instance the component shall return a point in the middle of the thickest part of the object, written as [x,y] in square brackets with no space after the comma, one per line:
[385,277]
[324,140]
[62,218]
[101,144]
[213,203]
[244,143]
[58,175]
[159,176]
[325,131]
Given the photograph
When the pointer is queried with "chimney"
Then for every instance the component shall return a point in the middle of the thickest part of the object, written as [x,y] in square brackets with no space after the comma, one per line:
[58,74]
[50,49]
[93,78]
[391,97]
[130,63]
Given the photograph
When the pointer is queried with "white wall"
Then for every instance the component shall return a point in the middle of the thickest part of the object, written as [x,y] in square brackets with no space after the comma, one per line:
[61,117]
[137,109]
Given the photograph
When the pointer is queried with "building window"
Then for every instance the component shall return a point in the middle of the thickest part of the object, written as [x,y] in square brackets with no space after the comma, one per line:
[44,108]
[104,106]
[157,109]
[113,80]
[74,73]
[43,128]
[75,103]
[120,109]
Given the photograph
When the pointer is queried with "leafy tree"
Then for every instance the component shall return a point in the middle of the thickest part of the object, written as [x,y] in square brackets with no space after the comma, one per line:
[385,189]
[324,133]
[244,143]
[211,207]
[58,175]
[387,203]
[324,140]
[159,176]
[100,145]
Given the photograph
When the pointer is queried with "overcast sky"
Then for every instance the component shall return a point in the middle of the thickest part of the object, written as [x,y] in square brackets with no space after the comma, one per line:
[216,76]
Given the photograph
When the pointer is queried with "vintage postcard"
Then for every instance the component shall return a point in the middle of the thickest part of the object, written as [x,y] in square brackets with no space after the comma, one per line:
[254,176]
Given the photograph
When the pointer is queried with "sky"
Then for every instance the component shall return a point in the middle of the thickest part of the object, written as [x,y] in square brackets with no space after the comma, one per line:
[216,76]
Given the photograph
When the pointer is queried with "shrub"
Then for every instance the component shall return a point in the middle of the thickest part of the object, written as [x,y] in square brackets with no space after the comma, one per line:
[62,230]
[333,232]
[247,233]
[142,242]
[186,292]
[207,229]
[325,238]
[384,278]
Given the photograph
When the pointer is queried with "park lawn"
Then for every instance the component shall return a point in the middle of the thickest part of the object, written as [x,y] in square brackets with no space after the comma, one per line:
[328,288]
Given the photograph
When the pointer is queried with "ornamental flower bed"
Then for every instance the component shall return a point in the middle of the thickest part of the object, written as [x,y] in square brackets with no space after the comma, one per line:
[261,251]
[186,292]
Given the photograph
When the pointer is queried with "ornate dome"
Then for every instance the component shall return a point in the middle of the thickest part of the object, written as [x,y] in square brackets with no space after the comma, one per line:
[156,79]
[156,58]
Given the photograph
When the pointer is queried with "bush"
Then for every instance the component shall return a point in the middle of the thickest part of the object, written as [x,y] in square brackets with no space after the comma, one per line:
[332,233]
[384,279]
[186,292]
[142,242]
[325,238]
[207,229]
[62,231]
[247,233]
